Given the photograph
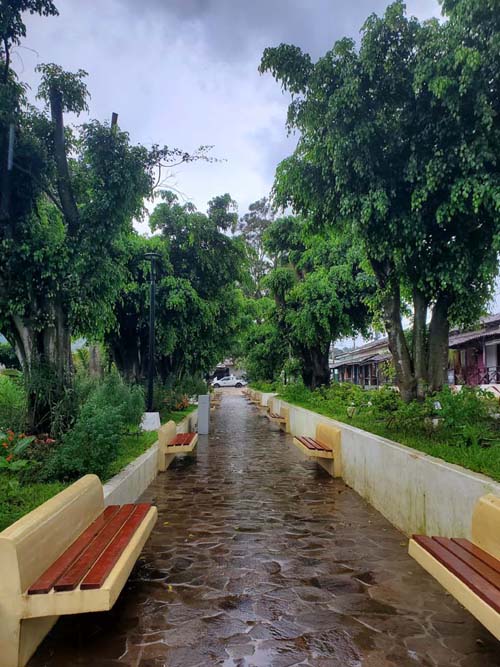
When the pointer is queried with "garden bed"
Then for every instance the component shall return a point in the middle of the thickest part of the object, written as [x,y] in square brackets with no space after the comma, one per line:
[18,499]
[454,437]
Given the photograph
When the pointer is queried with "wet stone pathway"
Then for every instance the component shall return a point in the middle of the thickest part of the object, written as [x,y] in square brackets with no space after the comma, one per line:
[260,559]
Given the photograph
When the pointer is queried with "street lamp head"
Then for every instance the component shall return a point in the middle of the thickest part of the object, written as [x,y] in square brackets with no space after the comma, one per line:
[152,255]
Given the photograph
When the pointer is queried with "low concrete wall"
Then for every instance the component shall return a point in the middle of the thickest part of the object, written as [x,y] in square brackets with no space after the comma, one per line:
[416,492]
[132,481]
[264,397]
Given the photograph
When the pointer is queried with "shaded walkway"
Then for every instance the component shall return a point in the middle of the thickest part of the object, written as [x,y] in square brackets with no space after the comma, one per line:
[261,559]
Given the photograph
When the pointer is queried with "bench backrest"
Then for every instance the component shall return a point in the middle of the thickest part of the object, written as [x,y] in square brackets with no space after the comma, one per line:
[486,524]
[29,546]
[330,436]
[166,433]
[285,413]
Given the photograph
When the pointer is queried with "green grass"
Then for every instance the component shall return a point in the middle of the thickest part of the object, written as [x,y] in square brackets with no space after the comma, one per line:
[177,415]
[440,444]
[16,500]
[131,447]
[266,387]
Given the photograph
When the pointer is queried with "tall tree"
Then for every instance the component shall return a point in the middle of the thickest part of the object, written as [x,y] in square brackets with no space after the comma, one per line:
[399,144]
[321,292]
[252,227]
[198,299]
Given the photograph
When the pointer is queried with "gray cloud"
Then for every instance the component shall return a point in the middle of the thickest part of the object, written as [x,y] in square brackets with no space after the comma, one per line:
[184,73]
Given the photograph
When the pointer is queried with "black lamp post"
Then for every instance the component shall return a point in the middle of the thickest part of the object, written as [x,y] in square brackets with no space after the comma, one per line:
[152,256]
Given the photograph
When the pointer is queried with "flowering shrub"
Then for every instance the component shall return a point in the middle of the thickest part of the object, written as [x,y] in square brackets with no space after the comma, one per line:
[12,446]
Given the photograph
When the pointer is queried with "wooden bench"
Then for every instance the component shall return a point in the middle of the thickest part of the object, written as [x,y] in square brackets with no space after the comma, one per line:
[254,397]
[71,555]
[325,445]
[171,444]
[469,570]
[215,400]
[272,415]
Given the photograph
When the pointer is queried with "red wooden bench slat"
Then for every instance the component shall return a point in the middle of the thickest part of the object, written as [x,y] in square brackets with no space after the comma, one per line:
[478,553]
[46,581]
[181,439]
[310,443]
[72,577]
[481,568]
[108,559]
[467,575]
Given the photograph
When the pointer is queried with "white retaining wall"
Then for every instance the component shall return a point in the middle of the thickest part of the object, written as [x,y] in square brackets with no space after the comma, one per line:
[132,481]
[416,492]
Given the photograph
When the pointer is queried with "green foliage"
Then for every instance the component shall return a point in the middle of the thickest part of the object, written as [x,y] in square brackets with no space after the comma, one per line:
[321,290]
[264,349]
[69,86]
[12,447]
[175,394]
[264,386]
[252,228]
[459,427]
[17,499]
[197,296]
[398,146]
[93,442]
[8,356]
[13,404]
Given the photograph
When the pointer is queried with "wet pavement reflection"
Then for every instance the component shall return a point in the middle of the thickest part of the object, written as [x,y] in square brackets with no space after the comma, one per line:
[259,558]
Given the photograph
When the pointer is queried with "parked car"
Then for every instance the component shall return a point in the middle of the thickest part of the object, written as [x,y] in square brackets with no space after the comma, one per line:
[228,381]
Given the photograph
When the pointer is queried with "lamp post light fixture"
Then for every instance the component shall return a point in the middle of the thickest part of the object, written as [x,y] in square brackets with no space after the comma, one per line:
[152,257]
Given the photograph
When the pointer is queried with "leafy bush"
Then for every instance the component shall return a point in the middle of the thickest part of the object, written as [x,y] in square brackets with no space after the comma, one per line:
[8,357]
[92,444]
[461,427]
[176,395]
[13,407]
[266,387]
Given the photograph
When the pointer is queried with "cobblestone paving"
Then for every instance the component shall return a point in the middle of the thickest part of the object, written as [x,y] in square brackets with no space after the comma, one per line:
[260,559]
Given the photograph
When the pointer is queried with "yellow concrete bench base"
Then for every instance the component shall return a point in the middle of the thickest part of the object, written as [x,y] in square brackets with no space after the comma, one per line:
[477,569]
[166,453]
[34,543]
[275,418]
[325,448]
[460,591]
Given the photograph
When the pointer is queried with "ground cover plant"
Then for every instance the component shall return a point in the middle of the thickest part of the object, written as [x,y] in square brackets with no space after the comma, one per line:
[459,427]
[104,436]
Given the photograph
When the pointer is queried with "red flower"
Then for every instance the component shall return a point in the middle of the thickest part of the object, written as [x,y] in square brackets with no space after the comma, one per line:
[10,457]
[5,444]
[10,435]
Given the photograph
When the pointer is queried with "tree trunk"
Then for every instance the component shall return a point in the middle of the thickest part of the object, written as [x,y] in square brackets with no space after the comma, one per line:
[439,330]
[63,178]
[315,369]
[391,304]
[419,342]
[45,357]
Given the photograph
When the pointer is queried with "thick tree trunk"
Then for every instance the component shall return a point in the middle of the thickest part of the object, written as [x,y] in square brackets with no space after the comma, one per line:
[419,342]
[315,369]
[45,357]
[127,352]
[391,304]
[63,178]
[439,330]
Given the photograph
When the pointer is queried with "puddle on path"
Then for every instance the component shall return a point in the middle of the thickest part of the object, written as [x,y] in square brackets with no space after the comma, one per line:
[260,559]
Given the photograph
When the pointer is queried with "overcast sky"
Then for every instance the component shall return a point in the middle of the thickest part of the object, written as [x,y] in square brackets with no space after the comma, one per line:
[184,73]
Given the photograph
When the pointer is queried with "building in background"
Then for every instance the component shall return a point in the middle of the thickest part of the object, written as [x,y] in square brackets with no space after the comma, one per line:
[474,358]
